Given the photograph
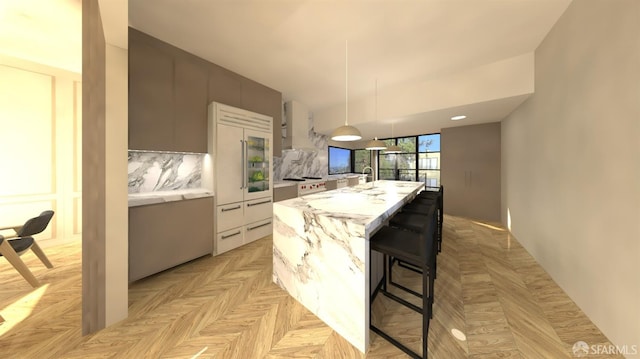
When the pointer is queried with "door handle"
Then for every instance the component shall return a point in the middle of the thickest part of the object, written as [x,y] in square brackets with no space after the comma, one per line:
[231,209]
[246,152]
[258,203]
[258,226]
[242,163]
[230,235]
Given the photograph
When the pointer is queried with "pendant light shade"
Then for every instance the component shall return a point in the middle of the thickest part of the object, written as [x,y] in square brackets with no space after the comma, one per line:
[393,149]
[375,144]
[346,132]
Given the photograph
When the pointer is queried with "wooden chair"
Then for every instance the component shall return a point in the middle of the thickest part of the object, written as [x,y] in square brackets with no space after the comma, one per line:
[13,247]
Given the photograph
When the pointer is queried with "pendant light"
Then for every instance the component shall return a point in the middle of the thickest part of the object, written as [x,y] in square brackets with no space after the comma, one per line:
[393,148]
[346,132]
[376,144]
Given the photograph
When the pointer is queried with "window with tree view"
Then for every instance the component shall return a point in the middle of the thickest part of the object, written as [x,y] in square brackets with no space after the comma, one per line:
[362,159]
[419,160]
[339,160]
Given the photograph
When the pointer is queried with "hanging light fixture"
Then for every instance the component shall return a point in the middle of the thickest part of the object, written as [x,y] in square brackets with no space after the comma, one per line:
[393,148]
[346,132]
[376,144]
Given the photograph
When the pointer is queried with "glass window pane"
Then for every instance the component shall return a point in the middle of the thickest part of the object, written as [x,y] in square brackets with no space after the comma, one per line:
[430,178]
[389,142]
[339,160]
[387,161]
[387,174]
[406,160]
[429,143]
[362,159]
[405,175]
[407,144]
[429,161]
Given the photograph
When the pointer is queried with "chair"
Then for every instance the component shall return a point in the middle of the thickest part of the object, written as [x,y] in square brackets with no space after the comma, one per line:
[417,249]
[13,247]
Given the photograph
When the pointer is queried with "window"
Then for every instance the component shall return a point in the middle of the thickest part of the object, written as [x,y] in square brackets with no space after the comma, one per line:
[362,159]
[339,160]
[419,160]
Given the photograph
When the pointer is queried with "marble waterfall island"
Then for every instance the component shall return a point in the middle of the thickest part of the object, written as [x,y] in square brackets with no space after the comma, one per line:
[321,251]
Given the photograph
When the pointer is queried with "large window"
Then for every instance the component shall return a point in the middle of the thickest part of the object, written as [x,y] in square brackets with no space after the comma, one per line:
[339,160]
[419,160]
[362,159]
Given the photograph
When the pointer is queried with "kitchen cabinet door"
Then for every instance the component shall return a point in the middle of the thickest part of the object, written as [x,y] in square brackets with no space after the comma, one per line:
[267,101]
[224,86]
[470,171]
[230,166]
[190,98]
[151,110]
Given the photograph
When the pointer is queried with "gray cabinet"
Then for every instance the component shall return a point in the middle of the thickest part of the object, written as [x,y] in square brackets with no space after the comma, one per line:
[165,235]
[150,95]
[167,97]
[170,89]
[470,171]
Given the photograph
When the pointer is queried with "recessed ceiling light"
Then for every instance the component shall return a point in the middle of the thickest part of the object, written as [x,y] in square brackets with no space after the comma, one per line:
[460,117]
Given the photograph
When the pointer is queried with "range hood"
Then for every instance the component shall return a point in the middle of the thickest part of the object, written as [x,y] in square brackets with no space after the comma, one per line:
[298,127]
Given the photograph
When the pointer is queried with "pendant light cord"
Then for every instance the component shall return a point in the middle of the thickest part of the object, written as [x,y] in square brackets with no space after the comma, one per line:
[346,83]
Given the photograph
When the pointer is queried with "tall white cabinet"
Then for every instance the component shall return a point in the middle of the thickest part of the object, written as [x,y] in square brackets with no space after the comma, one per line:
[241,146]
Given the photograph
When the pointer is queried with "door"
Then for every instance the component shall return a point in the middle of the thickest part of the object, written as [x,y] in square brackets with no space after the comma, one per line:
[230,155]
[257,164]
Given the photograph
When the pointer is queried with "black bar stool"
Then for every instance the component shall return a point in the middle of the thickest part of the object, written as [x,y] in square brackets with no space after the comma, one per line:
[438,196]
[416,249]
[414,221]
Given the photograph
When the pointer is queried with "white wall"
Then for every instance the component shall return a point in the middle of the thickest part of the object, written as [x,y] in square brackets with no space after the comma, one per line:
[571,163]
[117,210]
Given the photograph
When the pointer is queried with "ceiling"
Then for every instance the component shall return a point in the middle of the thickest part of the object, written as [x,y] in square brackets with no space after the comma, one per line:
[298,47]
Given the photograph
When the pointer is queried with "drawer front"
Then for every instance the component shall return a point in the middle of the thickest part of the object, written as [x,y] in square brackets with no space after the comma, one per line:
[258,209]
[229,216]
[229,240]
[257,230]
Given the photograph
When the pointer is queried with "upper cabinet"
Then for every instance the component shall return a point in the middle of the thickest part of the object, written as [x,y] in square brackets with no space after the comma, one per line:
[167,97]
[170,90]
[150,94]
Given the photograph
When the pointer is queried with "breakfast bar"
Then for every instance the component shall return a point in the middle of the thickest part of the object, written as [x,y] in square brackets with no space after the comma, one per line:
[321,251]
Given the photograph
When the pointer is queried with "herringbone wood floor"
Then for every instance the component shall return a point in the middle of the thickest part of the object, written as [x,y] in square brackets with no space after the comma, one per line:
[488,287]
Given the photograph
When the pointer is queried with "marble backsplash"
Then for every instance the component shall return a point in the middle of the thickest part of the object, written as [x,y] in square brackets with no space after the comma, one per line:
[307,162]
[157,171]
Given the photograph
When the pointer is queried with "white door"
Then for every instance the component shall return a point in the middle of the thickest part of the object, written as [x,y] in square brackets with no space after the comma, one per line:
[230,166]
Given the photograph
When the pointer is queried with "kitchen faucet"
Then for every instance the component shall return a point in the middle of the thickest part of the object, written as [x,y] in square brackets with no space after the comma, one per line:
[372,177]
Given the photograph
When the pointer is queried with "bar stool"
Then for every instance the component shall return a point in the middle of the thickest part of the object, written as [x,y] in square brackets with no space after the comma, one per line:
[417,249]
[414,221]
[428,196]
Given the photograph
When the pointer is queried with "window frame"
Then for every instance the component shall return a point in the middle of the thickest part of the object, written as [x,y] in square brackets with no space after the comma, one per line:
[417,169]
[351,160]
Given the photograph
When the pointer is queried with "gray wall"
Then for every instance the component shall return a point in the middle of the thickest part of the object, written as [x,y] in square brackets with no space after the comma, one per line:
[571,163]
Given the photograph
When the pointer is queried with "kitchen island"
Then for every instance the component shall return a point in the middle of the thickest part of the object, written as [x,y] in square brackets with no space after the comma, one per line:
[321,251]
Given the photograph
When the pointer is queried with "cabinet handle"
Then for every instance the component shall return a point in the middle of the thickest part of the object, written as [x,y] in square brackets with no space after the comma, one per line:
[246,152]
[231,209]
[255,204]
[258,226]
[230,235]
[242,163]
[470,179]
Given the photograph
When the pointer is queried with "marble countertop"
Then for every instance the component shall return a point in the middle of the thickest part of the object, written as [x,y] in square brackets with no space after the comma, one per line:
[344,175]
[145,198]
[367,204]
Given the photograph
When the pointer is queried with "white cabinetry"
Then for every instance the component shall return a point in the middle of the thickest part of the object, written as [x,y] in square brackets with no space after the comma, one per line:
[242,176]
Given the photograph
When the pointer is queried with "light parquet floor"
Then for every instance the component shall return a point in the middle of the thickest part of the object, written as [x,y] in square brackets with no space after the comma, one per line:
[488,287]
